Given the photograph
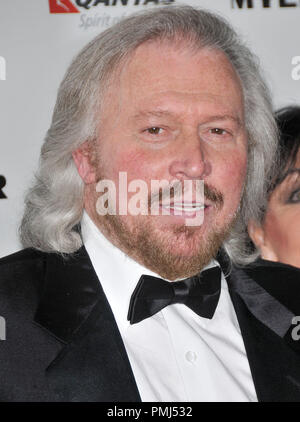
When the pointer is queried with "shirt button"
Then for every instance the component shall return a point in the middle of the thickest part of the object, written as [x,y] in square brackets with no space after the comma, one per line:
[190,356]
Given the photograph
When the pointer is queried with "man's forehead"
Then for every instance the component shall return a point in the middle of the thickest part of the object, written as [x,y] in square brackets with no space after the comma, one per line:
[161,68]
[163,52]
[160,85]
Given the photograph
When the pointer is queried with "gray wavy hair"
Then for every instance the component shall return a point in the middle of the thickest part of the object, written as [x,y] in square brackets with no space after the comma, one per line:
[54,205]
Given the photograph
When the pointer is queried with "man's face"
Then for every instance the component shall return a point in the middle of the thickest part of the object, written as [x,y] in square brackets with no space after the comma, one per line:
[173,114]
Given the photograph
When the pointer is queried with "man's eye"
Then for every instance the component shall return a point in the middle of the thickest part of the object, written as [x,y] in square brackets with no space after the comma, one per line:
[154,130]
[295,197]
[217,131]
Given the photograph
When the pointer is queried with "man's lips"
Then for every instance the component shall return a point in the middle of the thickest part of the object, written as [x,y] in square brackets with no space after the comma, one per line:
[187,209]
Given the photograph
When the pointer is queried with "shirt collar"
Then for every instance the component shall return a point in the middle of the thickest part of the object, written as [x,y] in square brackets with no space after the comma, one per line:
[117,272]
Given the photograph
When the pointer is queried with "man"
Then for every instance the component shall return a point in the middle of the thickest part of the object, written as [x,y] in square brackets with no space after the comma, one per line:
[169,95]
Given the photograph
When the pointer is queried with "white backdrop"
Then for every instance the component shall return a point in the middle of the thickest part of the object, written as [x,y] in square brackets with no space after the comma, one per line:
[36,46]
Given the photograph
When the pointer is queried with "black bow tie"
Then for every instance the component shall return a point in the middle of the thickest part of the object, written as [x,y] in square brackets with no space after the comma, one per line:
[200,293]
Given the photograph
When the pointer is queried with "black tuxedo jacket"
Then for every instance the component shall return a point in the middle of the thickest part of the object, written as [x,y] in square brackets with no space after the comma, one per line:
[63,344]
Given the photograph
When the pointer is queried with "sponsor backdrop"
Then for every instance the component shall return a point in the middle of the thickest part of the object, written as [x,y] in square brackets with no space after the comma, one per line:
[38,38]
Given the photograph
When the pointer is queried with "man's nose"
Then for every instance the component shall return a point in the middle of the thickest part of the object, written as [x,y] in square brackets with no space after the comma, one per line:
[191,161]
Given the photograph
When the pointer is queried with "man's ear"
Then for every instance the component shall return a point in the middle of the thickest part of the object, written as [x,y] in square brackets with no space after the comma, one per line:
[260,239]
[84,160]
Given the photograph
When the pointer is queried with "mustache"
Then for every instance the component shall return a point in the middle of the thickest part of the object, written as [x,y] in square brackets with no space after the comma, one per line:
[213,195]
[210,193]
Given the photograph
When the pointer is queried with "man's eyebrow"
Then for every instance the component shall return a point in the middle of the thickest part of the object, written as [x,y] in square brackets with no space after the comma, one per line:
[166,113]
[221,117]
[153,113]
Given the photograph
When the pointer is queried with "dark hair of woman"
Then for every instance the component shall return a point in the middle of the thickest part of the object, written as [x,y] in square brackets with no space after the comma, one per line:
[288,121]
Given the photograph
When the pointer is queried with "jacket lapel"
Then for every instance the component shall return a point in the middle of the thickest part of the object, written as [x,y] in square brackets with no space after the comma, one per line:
[92,364]
[263,296]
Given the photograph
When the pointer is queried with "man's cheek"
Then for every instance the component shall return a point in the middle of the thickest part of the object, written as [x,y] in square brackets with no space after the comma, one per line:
[236,170]
[230,174]
[135,164]
[128,172]
[232,181]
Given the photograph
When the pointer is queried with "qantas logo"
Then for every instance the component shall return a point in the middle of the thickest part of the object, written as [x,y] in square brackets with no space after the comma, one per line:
[74,6]
[62,6]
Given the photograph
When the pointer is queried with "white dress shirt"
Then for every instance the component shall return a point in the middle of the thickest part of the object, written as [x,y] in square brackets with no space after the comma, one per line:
[175,355]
